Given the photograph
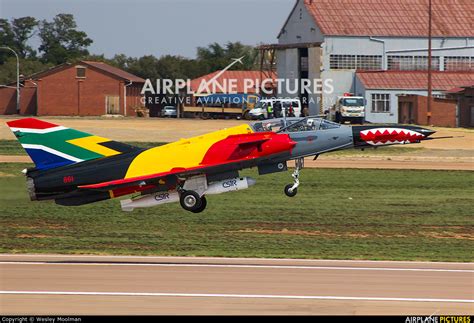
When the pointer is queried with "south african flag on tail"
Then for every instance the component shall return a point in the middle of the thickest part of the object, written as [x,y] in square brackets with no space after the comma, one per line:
[50,145]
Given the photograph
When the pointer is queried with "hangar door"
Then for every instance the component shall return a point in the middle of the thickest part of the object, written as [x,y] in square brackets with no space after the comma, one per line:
[112,104]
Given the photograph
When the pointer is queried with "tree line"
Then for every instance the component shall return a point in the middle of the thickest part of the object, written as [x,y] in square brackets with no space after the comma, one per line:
[60,41]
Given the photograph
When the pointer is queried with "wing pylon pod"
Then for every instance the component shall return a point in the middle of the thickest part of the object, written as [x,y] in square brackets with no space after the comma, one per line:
[158,198]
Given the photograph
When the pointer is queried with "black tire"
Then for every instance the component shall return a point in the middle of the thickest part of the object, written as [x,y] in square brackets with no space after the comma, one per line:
[287,190]
[190,200]
[247,115]
[202,207]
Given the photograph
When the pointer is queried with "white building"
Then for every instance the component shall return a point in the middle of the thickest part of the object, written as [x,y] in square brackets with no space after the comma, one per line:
[332,39]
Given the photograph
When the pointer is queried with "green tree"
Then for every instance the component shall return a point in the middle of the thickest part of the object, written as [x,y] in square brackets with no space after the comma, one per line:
[23,30]
[216,57]
[145,67]
[165,67]
[121,61]
[28,67]
[6,39]
[178,67]
[61,41]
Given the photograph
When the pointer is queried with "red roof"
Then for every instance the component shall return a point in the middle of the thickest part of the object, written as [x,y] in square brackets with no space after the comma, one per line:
[114,71]
[414,80]
[460,88]
[223,79]
[392,17]
[98,65]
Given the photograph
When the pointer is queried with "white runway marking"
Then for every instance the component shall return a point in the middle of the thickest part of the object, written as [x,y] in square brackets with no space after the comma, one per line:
[239,266]
[230,258]
[343,298]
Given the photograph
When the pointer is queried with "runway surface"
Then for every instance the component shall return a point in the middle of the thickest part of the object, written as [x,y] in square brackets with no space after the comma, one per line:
[61,284]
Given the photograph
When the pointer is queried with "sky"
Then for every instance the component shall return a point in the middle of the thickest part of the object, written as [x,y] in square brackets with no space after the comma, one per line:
[161,27]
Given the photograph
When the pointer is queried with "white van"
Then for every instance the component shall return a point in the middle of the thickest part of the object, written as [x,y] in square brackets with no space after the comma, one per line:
[281,107]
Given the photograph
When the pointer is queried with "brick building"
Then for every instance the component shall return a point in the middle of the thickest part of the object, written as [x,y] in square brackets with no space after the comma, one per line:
[400,96]
[82,89]
[464,96]
[413,109]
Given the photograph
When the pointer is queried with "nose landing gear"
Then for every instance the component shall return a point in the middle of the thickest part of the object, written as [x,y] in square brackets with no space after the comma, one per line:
[292,189]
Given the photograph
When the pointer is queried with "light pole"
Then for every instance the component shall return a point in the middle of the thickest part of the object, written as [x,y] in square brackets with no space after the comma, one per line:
[17,77]
[430,86]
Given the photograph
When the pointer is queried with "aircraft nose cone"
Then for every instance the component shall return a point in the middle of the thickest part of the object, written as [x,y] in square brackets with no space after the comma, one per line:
[426,132]
[251,181]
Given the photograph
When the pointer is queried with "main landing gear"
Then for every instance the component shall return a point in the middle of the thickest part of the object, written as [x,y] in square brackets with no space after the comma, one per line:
[292,189]
[191,201]
[191,194]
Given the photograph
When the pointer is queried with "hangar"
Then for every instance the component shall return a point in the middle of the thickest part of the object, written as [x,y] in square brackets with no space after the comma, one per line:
[335,39]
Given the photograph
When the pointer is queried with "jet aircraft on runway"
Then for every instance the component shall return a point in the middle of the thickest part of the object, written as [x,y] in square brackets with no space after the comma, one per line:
[76,168]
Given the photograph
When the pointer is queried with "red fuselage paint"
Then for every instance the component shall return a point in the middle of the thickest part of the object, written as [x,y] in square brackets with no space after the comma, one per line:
[247,146]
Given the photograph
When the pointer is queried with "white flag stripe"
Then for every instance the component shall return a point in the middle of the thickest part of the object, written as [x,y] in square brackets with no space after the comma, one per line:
[30,130]
[52,151]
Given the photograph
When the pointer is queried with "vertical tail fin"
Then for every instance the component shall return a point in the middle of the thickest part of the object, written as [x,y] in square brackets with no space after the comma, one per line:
[50,145]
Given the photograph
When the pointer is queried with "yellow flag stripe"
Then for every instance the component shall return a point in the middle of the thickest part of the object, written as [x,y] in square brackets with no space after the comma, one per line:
[92,143]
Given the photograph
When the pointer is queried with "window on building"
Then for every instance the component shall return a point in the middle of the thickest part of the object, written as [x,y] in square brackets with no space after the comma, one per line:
[80,72]
[304,64]
[380,102]
[412,63]
[359,62]
[459,63]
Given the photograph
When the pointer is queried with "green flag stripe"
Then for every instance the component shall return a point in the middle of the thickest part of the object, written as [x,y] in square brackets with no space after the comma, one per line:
[57,141]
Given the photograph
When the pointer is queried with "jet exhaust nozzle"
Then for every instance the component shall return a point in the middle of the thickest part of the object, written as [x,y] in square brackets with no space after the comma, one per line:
[30,186]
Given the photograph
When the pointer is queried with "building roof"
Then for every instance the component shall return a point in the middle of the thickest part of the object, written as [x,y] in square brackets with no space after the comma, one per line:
[117,72]
[460,89]
[239,76]
[450,18]
[414,80]
[114,71]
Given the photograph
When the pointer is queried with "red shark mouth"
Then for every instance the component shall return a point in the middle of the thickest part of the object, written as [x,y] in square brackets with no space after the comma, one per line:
[389,136]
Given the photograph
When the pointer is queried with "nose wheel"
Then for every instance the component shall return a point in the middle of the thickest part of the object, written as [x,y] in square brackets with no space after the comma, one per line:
[292,189]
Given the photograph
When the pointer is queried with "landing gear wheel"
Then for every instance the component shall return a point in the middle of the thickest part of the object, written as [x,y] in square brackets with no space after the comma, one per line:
[292,189]
[290,192]
[202,207]
[190,200]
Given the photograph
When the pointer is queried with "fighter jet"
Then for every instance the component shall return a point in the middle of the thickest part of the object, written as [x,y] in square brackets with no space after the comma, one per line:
[75,168]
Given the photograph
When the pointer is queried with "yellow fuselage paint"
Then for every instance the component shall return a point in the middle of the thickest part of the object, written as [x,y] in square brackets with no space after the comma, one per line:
[184,153]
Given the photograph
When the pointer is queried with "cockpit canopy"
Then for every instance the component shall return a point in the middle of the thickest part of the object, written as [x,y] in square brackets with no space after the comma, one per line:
[294,124]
